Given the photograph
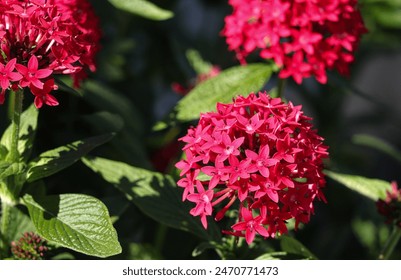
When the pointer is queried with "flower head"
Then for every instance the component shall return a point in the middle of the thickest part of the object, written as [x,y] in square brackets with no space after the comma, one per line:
[303,37]
[39,38]
[29,247]
[390,207]
[258,154]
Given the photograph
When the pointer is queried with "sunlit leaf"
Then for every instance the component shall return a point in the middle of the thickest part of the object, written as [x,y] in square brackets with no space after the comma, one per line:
[142,8]
[371,188]
[51,162]
[239,80]
[154,193]
[75,221]
[292,246]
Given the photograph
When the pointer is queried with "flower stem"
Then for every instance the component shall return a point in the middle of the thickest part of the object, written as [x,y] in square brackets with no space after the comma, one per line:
[280,87]
[390,244]
[16,119]
[9,191]
[5,221]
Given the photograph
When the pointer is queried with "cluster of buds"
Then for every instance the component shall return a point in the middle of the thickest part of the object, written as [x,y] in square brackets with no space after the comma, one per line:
[259,155]
[29,247]
[304,38]
[390,207]
[40,38]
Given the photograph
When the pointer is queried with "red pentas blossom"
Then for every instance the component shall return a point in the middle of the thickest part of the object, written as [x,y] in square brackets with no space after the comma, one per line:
[390,207]
[303,37]
[258,155]
[40,38]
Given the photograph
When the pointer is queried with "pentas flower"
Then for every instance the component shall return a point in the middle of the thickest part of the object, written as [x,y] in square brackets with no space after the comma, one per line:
[303,37]
[257,155]
[40,38]
[390,207]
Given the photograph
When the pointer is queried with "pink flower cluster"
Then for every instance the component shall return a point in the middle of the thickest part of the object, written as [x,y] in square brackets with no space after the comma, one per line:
[304,37]
[39,38]
[390,207]
[258,155]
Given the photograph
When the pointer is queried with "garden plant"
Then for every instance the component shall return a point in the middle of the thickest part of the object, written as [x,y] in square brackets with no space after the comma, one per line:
[200,129]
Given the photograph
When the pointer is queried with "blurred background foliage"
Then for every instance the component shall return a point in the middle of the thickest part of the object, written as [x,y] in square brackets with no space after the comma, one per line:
[131,91]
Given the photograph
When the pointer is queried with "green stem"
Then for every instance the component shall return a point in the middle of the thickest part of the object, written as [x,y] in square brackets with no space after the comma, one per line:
[16,119]
[5,221]
[280,87]
[160,237]
[9,192]
[390,244]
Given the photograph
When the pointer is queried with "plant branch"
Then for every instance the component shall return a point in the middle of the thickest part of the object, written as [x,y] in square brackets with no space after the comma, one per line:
[16,119]
[280,87]
[390,244]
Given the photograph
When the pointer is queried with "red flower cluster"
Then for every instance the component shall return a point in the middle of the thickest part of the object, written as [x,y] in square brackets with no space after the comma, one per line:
[303,37]
[260,154]
[390,207]
[39,38]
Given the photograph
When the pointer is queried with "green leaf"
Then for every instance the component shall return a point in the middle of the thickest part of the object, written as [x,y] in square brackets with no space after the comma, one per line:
[65,84]
[273,256]
[8,169]
[75,221]
[203,247]
[372,188]
[142,8]
[239,80]
[378,144]
[292,246]
[154,193]
[28,125]
[18,225]
[389,17]
[53,161]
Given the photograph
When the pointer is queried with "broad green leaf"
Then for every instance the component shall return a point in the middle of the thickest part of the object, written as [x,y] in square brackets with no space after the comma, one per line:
[378,144]
[154,193]
[142,8]
[53,161]
[8,169]
[292,246]
[28,125]
[75,221]
[18,225]
[239,80]
[372,188]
